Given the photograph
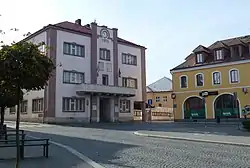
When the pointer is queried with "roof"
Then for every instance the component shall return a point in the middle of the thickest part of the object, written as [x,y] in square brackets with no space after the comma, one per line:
[242,40]
[84,29]
[161,85]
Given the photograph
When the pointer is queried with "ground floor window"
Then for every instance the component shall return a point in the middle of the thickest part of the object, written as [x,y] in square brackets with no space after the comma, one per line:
[37,105]
[12,110]
[125,106]
[24,106]
[194,108]
[73,104]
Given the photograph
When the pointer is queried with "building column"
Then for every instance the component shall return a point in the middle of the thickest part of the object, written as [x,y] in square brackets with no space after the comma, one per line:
[94,108]
[116,108]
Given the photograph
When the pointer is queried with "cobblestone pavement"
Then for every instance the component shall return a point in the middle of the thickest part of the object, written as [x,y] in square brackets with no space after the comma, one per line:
[119,148]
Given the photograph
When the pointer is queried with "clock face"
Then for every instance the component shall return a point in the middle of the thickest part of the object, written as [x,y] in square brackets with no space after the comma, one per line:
[105,33]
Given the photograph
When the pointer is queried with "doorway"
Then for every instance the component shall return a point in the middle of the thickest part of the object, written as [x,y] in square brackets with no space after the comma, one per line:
[105,110]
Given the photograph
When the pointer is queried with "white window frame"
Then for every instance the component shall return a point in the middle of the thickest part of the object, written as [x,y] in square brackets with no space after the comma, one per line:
[213,78]
[74,77]
[180,81]
[199,58]
[76,102]
[124,103]
[128,82]
[196,84]
[157,99]
[104,54]
[40,105]
[238,75]
[24,107]
[219,55]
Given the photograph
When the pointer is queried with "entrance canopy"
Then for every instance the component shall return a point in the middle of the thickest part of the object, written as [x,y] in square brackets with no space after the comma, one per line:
[82,93]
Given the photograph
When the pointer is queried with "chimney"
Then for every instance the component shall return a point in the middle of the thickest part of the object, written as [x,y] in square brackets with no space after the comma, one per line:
[78,21]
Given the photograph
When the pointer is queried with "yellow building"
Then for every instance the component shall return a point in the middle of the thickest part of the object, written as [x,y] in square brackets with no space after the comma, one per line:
[159,93]
[214,81]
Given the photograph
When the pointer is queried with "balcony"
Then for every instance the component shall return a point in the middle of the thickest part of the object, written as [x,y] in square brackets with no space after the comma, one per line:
[105,90]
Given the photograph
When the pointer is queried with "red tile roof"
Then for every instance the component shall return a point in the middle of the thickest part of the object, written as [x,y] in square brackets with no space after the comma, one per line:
[86,30]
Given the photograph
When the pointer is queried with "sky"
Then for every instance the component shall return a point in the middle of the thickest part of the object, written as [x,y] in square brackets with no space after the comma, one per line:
[169,29]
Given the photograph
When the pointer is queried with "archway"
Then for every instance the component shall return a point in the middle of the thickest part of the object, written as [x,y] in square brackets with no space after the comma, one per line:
[194,108]
[225,106]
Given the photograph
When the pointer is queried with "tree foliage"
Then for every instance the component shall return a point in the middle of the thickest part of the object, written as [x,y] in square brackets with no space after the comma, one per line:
[25,65]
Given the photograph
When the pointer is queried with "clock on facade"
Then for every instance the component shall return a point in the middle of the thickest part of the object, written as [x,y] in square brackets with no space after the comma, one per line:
[104,33]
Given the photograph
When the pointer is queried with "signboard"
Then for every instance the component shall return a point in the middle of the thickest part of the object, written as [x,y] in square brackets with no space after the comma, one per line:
[226,114]
[175,106]
[150,101]
[206,93]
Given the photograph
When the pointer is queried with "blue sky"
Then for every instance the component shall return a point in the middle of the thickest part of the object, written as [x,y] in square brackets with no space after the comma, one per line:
[170,29]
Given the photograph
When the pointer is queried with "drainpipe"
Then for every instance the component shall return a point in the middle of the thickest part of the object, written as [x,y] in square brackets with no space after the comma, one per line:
[90,103]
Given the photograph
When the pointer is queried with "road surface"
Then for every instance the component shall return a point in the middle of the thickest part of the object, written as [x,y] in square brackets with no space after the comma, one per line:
[118,147]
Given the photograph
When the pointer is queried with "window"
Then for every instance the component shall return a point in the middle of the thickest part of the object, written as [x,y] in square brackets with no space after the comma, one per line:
[234,76]
[165,98]
[101,66]
[129,82]
[109,67]
[12,110]
[199,80]
[73,77]
[157,99]
[125,106]
[199,58]
[218,54]
[73,104]
[129,59]
[104,54]
[183,82]
[37,105]
[105,79]
[216,78]
[23,106]
[73,49]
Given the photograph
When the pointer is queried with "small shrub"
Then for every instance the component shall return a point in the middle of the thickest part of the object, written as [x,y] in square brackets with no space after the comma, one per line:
[246,125]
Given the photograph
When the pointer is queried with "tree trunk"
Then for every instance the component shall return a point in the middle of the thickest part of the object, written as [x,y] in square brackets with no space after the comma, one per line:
[2,116]
[17,129]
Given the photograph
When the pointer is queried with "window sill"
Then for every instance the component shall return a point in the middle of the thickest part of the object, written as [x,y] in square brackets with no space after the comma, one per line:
[24,113]
[74,55]
[130,64]
[72,83]
[73,111]
[125,112]
[36,112]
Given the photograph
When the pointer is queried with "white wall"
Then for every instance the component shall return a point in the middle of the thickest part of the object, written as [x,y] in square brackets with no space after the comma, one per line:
[68,62]
[108,45]
[131,70]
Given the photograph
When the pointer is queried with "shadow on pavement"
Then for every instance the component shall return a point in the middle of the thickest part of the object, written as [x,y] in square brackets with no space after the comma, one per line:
[102,152]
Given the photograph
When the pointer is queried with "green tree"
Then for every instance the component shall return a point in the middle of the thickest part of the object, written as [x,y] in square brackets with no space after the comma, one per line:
[24,66]
[7,99]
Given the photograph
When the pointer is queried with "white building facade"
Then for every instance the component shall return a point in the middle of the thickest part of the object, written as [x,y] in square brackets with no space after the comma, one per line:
[99,77]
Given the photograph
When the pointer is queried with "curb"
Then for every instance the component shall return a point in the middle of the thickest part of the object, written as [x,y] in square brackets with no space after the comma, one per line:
[191,139]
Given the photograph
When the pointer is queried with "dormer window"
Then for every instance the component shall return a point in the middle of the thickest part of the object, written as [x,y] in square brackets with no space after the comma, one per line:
[199,58]
[218,54]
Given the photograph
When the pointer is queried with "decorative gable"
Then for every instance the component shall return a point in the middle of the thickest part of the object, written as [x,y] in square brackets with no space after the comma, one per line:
[201,48]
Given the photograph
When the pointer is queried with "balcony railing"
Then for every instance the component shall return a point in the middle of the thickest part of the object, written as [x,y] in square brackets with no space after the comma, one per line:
[106,89]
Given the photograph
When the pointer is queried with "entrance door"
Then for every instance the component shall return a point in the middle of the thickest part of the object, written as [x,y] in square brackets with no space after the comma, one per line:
[194,108]
[226,107]
[105,110]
